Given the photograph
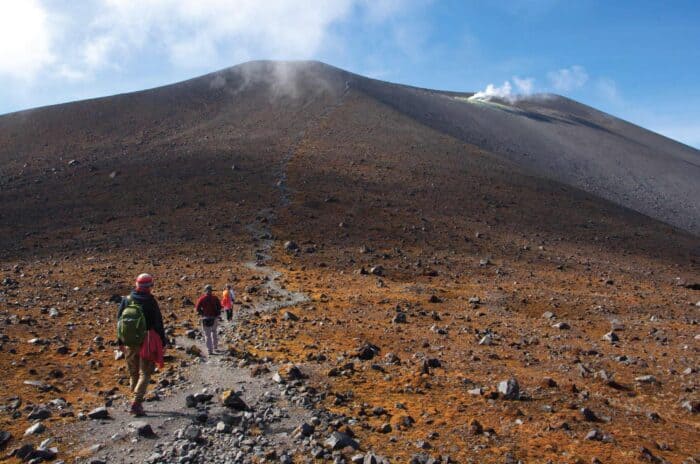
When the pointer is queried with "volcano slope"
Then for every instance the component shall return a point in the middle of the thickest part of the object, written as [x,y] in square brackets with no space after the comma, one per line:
[461,268]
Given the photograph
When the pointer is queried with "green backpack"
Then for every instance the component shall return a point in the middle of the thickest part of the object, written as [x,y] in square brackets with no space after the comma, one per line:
[131,326]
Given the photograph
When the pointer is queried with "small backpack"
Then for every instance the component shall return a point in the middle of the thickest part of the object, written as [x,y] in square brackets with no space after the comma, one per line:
[131,326]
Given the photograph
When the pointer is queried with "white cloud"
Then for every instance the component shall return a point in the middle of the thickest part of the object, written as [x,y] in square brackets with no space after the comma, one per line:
[37,37]
[25,38]
[195,32]
[568,79]
[381,10]
[607,88]
[525,86]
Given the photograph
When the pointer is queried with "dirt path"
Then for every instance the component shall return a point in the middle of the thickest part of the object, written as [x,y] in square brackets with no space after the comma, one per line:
[262,431]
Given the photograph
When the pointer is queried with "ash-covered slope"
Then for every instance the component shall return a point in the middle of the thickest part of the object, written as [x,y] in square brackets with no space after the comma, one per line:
[83,164]
[560,139]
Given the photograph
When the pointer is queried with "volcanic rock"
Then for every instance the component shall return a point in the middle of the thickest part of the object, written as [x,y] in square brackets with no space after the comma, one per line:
[232,399]
[509,389]
[142,429]
[338,441]
[99,413]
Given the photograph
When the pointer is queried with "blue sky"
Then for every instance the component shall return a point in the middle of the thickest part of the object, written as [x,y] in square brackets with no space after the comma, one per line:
[638,60]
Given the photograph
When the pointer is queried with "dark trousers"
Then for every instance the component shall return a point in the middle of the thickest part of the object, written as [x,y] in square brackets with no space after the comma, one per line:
[229,314]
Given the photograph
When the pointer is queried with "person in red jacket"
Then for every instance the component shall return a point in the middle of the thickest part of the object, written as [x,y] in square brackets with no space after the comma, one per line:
[209,309]
[227,300]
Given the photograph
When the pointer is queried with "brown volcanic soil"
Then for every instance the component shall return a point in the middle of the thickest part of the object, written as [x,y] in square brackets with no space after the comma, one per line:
[342,171]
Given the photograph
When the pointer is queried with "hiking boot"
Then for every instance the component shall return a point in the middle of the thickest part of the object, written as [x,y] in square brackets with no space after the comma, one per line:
[137,409]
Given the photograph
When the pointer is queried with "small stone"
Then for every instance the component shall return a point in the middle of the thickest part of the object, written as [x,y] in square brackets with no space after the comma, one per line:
[399,318]
[38,384]
[509,389]
[377,270]
[548,382]
[594,434]
[421,444]
[589,415]
[385,428]
[142,429]
[548,315]
[692,406]
[561,326]
[289,373]
[288,316]
[646,379]
[475,427]
[232,399]
[203,397]
[392,358]
[62,350]
[303,430]
[35,429]
[223,427]
[39,414]
[290,246]
[231,419]
[192,433]
[5,438]
[367,351]
[611,337]
[193,350]
[339,440]
[99,413]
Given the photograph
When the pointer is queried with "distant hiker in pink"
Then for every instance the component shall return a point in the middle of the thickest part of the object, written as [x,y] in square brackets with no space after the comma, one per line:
[209,309]
[141,337]
[227,300]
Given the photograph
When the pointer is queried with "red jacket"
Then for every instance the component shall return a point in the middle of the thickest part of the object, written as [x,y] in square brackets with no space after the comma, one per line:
[208,306]
[152,348]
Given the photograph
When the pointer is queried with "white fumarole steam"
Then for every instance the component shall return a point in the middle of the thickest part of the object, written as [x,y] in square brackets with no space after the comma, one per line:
[505,92]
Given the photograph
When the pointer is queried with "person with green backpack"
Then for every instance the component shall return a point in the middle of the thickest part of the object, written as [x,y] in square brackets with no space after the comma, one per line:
[138,313]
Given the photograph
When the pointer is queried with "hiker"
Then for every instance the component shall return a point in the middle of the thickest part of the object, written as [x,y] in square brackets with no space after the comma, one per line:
[227,300]
[209,309]
[139,320]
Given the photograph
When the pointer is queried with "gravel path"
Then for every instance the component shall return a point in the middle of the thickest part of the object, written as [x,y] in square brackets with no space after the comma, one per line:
[205,430]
